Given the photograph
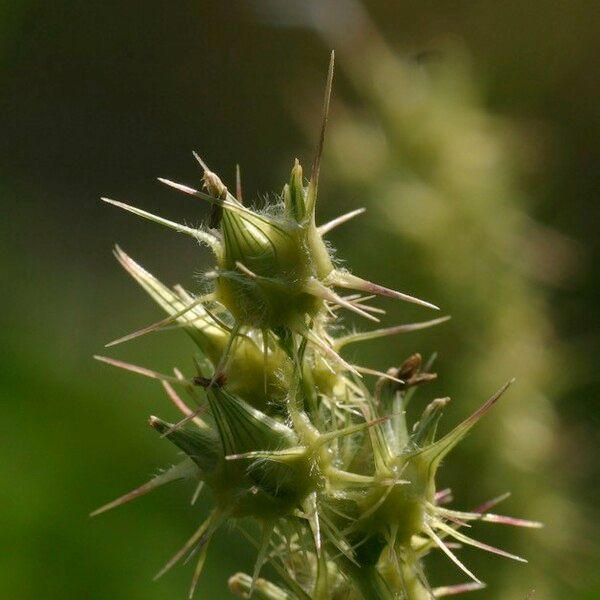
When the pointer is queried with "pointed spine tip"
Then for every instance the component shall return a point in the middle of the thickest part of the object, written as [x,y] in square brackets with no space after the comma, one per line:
[195,233]
[314,176]
[177,186]
[200,161]
[156,423]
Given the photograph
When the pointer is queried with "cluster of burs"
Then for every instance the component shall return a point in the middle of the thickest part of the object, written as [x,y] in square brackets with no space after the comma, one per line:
[318,470]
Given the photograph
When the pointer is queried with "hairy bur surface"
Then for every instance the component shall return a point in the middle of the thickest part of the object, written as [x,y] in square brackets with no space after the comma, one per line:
[282,429]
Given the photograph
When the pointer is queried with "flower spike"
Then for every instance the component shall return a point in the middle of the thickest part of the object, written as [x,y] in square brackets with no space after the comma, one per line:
[284,431]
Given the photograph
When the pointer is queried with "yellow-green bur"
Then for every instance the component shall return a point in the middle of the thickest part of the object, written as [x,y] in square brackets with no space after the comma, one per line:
[400,511]
[278,256]
[246,486]
[257,378]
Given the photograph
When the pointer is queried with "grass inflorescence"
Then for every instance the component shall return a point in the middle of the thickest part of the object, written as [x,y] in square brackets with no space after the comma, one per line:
[284,429]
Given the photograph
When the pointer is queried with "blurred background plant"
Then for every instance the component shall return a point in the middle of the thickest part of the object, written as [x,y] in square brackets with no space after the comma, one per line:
[478,176]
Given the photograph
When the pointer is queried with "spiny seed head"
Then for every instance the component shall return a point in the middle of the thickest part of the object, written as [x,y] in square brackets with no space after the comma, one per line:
[282,429]
[267,263]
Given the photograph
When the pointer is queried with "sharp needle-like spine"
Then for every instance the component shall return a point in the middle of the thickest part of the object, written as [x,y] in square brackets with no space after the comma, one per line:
[327,227]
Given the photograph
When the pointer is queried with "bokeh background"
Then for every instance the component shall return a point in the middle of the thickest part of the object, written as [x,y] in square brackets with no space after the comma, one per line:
[470,132]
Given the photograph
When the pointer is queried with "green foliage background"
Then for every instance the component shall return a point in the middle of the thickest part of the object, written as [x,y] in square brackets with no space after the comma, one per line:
[100,98]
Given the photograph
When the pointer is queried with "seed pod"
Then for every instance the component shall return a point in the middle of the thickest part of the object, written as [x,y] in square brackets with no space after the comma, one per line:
[201,446]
